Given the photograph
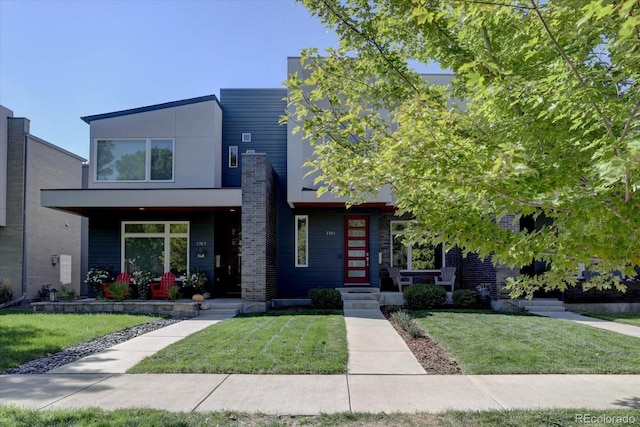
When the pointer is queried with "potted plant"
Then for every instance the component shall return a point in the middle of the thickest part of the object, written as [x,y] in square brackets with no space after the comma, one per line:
[195,281]
[142,279]
[96,277]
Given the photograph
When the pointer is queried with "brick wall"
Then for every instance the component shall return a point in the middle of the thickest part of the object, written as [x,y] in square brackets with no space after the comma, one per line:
[258,228]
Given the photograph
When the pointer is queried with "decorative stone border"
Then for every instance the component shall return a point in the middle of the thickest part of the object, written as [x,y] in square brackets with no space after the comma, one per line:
[162,308]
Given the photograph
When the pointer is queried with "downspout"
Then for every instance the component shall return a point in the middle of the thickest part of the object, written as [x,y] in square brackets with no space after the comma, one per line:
[24,217]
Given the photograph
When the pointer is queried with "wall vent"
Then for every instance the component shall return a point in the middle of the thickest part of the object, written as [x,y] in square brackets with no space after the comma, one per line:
[246,137]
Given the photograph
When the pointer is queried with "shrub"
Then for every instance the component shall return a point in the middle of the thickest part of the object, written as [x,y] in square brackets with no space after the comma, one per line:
[422,297]
[325,298]
[174,292]
[407,323]
[6,291]
[66,294]
[391,308]
[466,298]
[119,290]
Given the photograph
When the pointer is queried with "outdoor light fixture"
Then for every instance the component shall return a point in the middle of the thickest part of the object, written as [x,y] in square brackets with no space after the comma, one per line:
[55,259]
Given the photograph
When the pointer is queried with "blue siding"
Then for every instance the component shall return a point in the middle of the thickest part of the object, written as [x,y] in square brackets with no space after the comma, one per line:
[105,245]
[254,111]
[326,251]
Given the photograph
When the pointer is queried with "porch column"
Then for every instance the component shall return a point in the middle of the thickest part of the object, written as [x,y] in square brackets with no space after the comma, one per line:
[258,232]
[503,272]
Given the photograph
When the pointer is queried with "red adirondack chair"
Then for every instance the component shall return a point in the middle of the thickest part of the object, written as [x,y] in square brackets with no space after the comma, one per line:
[122,277]
[161,290]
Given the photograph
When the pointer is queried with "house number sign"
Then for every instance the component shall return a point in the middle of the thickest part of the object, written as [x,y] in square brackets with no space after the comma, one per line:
[331,233]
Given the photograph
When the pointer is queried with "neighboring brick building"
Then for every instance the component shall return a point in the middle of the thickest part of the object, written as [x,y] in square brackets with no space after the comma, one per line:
[38,246]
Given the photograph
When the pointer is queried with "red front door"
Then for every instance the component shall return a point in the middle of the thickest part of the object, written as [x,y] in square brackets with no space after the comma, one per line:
[356,250]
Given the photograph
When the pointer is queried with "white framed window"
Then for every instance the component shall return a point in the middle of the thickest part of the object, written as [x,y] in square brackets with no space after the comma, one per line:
[302,240]
[149,159]
[155,246]
[246,137]
[413,256]
[233,156]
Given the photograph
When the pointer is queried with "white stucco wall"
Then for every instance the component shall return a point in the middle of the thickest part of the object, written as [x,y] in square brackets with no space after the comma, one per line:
[197,132]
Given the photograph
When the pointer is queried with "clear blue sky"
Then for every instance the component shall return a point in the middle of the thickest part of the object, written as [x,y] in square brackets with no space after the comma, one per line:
[60,60]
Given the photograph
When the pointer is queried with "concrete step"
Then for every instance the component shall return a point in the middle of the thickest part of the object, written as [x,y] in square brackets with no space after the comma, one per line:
[225,311]
[361,304]
[359,296]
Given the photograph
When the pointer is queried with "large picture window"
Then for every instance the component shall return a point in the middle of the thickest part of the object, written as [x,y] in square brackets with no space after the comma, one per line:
[413,256]
[157,247]
[302,239]
[134,159]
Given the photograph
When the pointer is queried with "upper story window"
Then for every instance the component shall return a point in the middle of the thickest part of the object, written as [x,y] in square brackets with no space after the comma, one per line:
[413,256]
[134,159]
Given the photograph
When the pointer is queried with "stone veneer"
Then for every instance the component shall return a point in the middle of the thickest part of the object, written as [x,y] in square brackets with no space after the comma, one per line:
[163,308]
[258,232]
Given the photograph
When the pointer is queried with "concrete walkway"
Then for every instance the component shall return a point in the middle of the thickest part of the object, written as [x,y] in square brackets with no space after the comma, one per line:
[382,376]
[620,328]
[375,347]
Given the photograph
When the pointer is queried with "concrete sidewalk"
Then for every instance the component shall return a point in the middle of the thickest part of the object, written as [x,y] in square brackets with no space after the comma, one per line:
[315,394]
[383,375]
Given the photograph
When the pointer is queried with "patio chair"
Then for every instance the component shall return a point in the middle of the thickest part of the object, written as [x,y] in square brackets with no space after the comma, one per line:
[398,279]
[161,290]
[447,277]
[122,277]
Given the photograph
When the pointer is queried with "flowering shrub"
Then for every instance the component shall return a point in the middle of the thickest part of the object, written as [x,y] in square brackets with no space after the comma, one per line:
[142,279]
[195,280]
[96,277]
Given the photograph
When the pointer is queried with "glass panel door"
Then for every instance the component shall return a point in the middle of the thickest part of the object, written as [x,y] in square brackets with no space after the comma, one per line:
[356,249]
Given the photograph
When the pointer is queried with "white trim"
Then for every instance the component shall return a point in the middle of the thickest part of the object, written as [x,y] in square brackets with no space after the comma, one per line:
[231,149]
[409,252]
[306,236]
[147,160]
[246,137]
[166,234]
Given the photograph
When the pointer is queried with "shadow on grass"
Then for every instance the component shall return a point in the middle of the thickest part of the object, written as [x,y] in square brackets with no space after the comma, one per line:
[295,312]
[19,346]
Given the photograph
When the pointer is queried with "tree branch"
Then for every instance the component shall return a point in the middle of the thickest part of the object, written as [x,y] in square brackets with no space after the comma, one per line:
[352,26]
[572,66]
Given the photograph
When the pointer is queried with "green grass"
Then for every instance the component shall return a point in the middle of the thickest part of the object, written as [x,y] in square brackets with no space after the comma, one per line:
[627,318]
[511,343]
[291,342]
[150,417]
[26,336]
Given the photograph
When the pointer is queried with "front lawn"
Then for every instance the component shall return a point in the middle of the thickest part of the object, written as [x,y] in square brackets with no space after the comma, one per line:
[512,343]
[290,342]
[150,417]
[627,318]
[25,336]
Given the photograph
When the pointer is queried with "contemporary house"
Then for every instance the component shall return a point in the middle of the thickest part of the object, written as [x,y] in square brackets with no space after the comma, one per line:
[38,246]
[217,184]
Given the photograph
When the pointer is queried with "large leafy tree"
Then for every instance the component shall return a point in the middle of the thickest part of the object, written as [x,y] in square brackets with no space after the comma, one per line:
[540,120]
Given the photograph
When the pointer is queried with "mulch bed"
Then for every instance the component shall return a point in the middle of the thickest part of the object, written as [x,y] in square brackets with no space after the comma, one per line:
[433,358]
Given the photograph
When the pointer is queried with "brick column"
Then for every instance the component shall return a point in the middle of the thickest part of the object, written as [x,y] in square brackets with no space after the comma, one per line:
[502,271]
[258,232]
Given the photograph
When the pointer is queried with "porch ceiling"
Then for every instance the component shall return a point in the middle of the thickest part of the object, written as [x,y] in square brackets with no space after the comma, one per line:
[85,201]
